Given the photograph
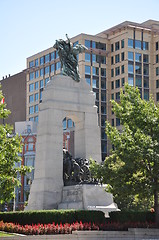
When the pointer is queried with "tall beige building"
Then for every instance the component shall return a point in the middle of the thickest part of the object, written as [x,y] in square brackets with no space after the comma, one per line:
[128,52]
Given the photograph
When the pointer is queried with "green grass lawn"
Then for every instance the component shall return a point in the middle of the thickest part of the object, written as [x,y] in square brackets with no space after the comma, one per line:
[2,234]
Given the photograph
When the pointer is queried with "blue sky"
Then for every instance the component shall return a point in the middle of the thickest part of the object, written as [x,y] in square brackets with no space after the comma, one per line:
[30,26]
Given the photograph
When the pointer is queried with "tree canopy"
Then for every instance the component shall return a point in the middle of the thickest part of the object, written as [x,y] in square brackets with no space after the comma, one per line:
[10,147]
[132,169]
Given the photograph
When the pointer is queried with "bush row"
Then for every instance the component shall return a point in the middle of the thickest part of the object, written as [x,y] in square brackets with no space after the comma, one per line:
[49,216]
[127,216]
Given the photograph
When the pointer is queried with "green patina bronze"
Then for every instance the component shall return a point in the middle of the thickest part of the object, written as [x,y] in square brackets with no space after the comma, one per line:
[68,57]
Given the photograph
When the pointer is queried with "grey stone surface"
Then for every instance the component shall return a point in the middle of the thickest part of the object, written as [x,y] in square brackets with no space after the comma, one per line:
[62,98]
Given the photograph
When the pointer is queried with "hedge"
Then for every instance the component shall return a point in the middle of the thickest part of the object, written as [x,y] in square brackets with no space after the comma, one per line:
[50,216]
[130,216]
[70,216]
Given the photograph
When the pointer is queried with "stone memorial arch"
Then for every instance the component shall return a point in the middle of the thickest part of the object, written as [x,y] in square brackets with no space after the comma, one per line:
[62,98]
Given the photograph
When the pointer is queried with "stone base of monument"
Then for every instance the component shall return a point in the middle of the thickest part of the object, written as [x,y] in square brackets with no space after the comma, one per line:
[88,197]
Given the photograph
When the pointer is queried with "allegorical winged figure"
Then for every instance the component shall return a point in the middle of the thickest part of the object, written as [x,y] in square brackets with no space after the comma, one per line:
[68,57]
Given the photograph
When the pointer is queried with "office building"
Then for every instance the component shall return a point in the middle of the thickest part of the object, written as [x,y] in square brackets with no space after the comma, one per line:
[128,52]
[14,91]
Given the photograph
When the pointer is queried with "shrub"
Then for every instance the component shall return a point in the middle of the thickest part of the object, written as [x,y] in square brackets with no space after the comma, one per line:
[49,216]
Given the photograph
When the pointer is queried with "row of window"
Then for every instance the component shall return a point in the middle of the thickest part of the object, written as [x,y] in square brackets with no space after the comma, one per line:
[40,84]
[95,58]
[44,59]
[34,109]
[95,71]
[138,81]
[118,83]
[118,70]
[117,58]
[93,44]
[117,122]
[138,68]
[95,82]
[138,57]
[44,71]
[34,119]
[116,46]
[137,44]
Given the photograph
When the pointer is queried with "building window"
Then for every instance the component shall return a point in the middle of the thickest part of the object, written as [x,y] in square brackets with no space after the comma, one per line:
[117,46]
[95,71]
[94,83]
[112,96]
[137,57]
[145,46]
[36,85]
[138,69]
[122,43]
[156,46]
[36,119]
[122,81]
[103,96]
[117,122]
[157,58]
[157,71]
[41,72]
[112,85]
[37,74]
[137,44]
[130,56]
[40,95]
[103,59]
[117,71]
[117,83]
[31,76]
[88,80]
[31,110]
[122,69]
[31,98]
[53,68]
[87,43]
[36,97]
[146,94]
[52,56]
[146,58]
[47,70]
[30,148]
[58,65]
[146,82]
[138,81]
[41,83]
[131,81]
[113,122]
[112,60]
[47,58]
[36,62]
[36,108]
[103,72]
[122,56]
[112,72]
[112,47]
[117,58]
[157,83]
[117,96]
[146,69]
[46,81]
[87,57]
[41,60]
[130,68]
[88,70]
[31,64]
[130,43]
[31,87]
[103,83]
[157,96]
[103,109]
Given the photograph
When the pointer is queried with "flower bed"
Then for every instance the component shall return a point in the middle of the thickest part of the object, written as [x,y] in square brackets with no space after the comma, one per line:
[40,229]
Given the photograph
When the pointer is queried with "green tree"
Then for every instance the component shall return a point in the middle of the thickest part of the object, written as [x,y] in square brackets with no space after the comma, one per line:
[132,170]
[10,147]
